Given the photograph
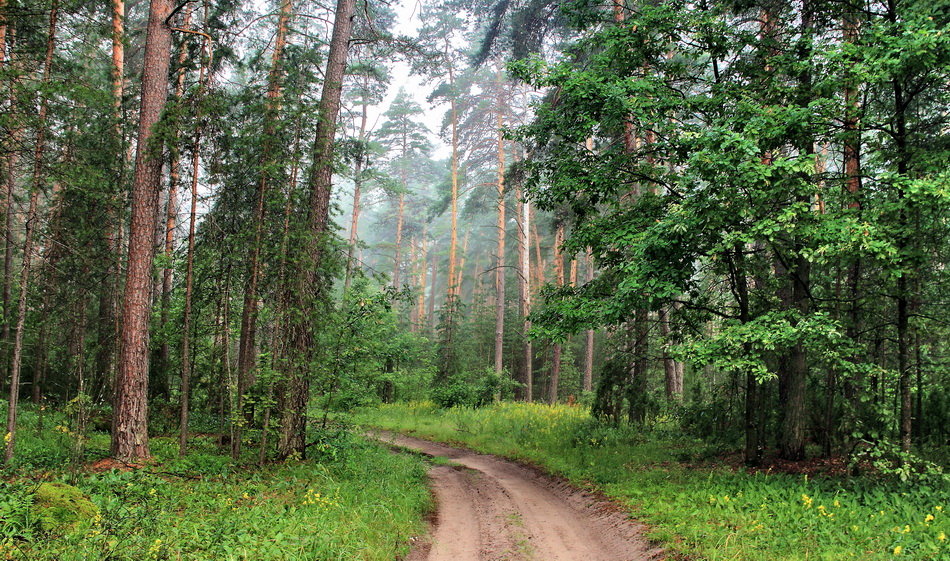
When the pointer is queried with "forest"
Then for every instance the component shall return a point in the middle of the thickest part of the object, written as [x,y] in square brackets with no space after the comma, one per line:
[688,256]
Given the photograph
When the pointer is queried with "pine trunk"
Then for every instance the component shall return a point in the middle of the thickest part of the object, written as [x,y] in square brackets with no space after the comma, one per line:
[500,250]
[524,292]
[308,289]
[357,188]
[130,417]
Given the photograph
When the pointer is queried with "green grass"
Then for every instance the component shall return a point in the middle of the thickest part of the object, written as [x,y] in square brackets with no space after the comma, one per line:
[358,501]
[700,511]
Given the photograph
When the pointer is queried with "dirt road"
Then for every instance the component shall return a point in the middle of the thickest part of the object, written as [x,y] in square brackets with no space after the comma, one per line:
[490,509]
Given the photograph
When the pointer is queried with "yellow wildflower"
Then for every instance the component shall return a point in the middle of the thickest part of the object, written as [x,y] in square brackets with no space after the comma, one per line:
[898,550]
[941,536]
[928,518]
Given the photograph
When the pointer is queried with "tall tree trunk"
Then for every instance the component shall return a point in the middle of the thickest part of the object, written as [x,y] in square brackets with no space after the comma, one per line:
[588,381]
[309,290]
[672,368]
[461,268]
[452,281]
[556,348]
[793,365]
[431,311]
[130,417]
[524,292]
[185,407]
[421,304]
[171,223]
[400,217]
[902,297]
[247,359]
[8,173]
[852,175]
[357,188]
[186,320]
[107,322]
[500,247]
[39,177]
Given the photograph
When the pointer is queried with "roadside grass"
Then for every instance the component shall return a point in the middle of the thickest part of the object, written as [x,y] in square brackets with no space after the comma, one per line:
[698,510]
[355,501]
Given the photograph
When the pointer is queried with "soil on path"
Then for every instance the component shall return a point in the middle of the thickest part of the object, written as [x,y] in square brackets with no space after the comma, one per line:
[490,509]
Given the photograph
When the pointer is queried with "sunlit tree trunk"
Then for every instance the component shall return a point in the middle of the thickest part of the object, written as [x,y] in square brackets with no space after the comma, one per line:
[500,248]
[423,266]
[431,312]
[526,392]
[32,218]
[461,268]
[400,217]
[130,418]
[452,281]
[357,188]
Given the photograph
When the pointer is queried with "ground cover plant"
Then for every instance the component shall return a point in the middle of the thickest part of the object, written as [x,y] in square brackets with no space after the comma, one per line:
[352,500]
[700,509]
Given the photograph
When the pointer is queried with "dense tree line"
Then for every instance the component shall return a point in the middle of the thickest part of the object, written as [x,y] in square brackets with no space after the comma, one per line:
[728,213]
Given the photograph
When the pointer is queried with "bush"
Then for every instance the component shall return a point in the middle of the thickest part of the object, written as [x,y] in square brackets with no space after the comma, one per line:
[474,391]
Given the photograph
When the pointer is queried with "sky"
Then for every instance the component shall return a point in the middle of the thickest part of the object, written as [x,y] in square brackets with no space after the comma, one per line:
[408,23]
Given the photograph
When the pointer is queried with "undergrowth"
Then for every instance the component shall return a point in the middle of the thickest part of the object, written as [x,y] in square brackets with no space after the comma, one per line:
[354,501]
[706,510]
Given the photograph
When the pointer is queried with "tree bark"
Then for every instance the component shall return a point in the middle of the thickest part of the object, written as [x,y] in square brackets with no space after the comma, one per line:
[130,417]
[400,217]
[500,247]
[453,241]
[357,192]
[524,292]
[309,289]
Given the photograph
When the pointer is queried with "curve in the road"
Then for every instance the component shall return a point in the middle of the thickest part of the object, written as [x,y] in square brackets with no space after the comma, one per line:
[490,509]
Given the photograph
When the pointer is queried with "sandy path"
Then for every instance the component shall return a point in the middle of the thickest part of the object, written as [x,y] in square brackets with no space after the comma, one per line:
[490,509]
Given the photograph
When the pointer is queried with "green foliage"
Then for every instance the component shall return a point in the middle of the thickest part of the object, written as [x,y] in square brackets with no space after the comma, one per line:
[474,390]
[359,501]
[704,510]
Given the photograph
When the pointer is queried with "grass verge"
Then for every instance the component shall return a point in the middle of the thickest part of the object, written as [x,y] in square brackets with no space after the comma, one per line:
[354,501]
[701,511]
